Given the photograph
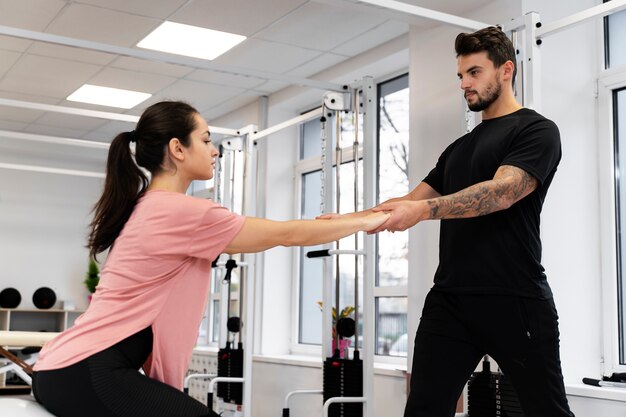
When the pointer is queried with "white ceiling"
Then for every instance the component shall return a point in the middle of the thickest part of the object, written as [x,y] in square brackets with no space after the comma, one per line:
[286,38]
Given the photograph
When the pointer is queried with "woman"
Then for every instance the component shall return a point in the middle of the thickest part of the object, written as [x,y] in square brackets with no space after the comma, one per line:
[149,303]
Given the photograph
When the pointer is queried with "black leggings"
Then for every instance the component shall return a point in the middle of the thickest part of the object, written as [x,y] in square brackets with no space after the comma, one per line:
[455,331]
[108,384]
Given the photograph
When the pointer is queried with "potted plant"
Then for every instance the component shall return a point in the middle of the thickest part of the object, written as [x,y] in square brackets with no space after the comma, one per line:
[344,344]
[92,277]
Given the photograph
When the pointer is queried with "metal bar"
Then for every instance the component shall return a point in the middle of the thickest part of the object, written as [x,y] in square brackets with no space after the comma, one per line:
[513,24]
[346,252]
[531,64]
[327,275]
[196,376]
[300,392]
[50,170]
[428,14]
[334,400]
[93,113]
[54,139]
[164,57]
[288,123]
[223,379]
[369,107]
[249,209]
[600,10]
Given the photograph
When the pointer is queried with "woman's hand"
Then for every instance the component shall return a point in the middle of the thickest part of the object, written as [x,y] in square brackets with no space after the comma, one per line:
[374,221]
[328,216]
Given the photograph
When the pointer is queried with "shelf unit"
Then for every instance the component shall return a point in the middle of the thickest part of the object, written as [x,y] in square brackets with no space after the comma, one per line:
[36,320]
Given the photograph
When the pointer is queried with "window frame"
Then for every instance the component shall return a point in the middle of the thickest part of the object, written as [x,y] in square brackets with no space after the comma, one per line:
[609,81]
[304,166]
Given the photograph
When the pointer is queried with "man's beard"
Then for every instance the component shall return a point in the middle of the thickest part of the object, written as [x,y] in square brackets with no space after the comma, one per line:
[492,92]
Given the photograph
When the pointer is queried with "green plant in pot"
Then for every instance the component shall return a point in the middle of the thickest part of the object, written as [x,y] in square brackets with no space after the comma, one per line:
[93,277]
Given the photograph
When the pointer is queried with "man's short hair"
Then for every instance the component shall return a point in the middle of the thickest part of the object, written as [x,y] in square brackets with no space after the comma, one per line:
[498,46]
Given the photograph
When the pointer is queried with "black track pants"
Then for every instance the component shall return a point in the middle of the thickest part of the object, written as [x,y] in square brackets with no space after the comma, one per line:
[108,384]
[456,331]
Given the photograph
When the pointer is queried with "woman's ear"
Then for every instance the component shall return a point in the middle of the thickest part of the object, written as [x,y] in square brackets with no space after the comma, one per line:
[176,149]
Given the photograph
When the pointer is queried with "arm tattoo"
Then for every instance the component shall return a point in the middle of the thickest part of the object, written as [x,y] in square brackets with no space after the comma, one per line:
[509,185]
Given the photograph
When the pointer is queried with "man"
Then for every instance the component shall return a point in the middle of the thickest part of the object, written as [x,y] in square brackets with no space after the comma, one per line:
[490,294]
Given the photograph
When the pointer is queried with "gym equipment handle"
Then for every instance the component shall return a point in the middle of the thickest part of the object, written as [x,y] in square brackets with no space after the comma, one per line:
[328,252]
[318,253]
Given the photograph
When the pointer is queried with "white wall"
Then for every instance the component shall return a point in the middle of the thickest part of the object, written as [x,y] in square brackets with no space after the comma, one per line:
[570,220]
[43,229]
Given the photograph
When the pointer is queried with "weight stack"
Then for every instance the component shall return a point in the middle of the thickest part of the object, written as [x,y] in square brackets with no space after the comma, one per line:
[230,364]
[491,394]
[343,378]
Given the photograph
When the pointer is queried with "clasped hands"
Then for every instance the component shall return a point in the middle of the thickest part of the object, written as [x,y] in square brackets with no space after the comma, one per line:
[402,215]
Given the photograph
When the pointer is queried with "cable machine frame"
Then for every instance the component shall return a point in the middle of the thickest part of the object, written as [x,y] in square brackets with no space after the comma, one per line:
[529,25]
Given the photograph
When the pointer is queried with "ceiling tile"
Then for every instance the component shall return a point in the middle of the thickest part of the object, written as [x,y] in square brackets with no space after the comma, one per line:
[29,14]
[78,123]
[266,56]
[9,43]
[200,95]
[15,114]
[224,78]
[47,76]
[161,9]
[11,125]
[108,131]
[7,59]
[316,65]
[102,25]
[243,17]
[71,54]
[230,105]
[53,130]
[271,87]
[372,38]
[142,65]
[131,80]
[321,27]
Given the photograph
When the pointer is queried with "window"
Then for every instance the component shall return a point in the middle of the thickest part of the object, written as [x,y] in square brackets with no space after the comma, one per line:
[612,163]
[392,269]
[310,317]
[393,181]
[615,33]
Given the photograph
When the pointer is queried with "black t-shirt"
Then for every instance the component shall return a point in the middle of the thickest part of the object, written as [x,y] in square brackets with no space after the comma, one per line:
[499,253]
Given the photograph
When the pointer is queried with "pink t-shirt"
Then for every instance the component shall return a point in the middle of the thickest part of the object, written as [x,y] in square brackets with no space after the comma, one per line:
[157,274]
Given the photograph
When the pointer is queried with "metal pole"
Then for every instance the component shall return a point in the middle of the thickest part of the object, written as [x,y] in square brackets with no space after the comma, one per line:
[531,66]
[249,209]
[369,100]
[428,14]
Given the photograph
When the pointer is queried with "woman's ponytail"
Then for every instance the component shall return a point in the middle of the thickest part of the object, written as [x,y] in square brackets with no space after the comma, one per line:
[123,186]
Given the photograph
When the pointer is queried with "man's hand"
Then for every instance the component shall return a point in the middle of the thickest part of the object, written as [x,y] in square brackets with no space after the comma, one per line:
[404,214]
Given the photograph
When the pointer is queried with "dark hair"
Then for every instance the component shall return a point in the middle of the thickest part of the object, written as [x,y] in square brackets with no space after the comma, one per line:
[498,46]
[125,182]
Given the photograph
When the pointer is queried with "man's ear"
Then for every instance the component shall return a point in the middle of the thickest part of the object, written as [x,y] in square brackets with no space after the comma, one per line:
[176,149]
[508,68]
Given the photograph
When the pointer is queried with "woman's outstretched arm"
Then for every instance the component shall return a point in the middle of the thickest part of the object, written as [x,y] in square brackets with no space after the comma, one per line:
[260,234]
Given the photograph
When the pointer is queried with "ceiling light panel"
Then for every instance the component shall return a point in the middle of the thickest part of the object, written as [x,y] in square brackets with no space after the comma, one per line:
[193,41]
[107,96]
